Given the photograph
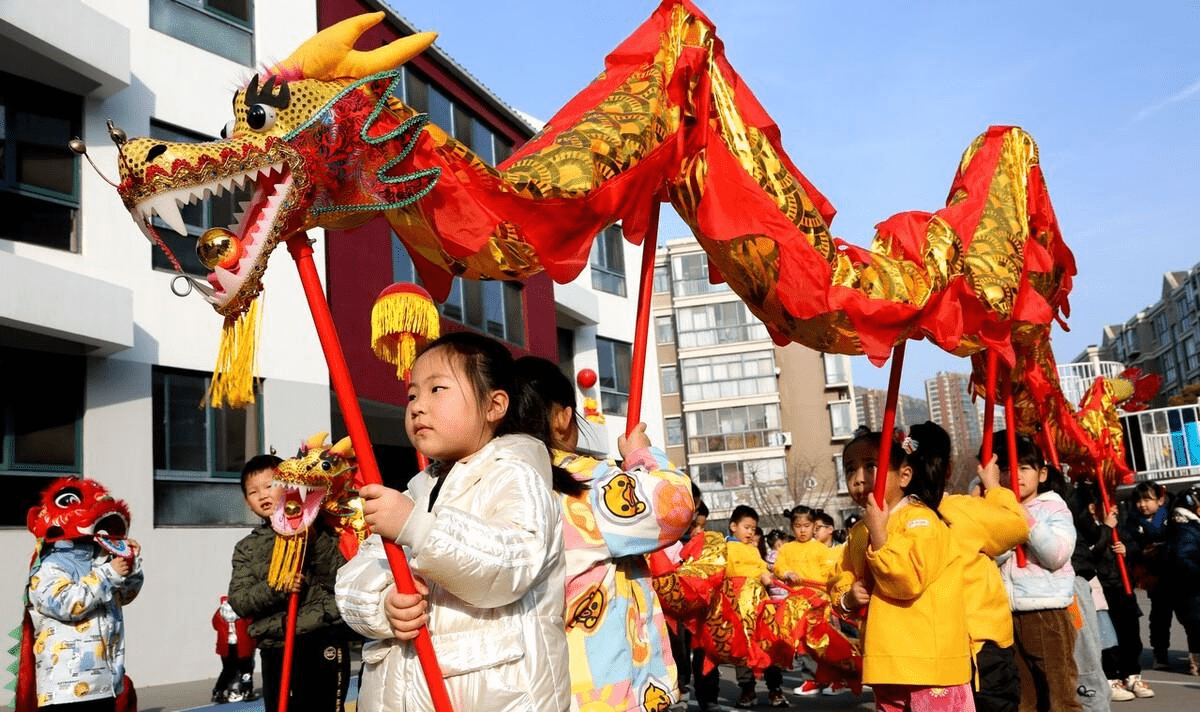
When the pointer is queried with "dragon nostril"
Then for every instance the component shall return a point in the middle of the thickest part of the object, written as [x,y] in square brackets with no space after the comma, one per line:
[155,151]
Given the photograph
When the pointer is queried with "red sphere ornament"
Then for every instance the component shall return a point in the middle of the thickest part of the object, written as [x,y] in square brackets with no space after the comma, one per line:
[586,378]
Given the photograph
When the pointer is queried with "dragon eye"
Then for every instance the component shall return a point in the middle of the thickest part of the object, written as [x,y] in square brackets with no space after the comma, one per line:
[227,129]
[67,497]
[326,465]
[261,117]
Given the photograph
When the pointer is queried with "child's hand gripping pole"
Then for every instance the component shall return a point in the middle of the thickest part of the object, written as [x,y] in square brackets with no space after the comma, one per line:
[339,375]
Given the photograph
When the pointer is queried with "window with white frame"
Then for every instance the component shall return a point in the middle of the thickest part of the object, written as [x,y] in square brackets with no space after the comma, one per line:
[614,366]
[713,324]
[199,452]
[662,279]
[690,275]
[223,27]
[670,380]
[664,329]
[740,472]
[40,436]
[841,419]
[674,426]
[839,472]
[837,369]
[608,261]
[728,375]
[734,428]
[39,176]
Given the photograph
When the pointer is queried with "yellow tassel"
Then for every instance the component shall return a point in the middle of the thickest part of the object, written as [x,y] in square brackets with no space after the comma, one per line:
[400,323]
[234,375]
[286,559]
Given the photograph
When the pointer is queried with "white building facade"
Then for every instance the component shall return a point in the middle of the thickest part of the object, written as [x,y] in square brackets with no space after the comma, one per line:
[108,366]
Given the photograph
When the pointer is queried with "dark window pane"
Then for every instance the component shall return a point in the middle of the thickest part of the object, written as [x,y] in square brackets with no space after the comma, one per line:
[503,148]
[44,428]
[452,308]
[208,26]
[236,9]
[493,308]
[36,221]
[462,126]
[481,141]
[46,167]
[187,429]
[235,433]
[440,110]
[514,313]
[604,363]
[180,503]
[21,492]
[416,91]
[472,303]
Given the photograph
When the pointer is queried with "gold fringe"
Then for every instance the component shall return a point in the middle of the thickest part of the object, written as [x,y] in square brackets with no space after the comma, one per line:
[400,323]
[286,559]
[234,375]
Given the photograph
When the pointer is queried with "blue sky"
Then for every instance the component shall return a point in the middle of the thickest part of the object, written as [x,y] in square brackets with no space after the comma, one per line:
[876,102]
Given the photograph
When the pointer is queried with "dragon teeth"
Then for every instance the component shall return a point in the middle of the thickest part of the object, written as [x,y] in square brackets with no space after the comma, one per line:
[168,211]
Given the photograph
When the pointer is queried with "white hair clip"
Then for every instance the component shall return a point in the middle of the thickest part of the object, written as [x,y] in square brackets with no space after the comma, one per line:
[908,444]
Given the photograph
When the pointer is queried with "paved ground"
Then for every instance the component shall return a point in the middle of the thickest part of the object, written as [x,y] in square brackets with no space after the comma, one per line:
[1176,691]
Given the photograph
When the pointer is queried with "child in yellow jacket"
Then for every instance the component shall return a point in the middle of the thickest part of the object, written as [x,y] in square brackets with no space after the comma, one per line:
[983,527]
[917,654]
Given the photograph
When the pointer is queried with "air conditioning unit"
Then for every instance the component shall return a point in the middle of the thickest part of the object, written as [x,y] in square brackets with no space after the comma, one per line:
[787,439]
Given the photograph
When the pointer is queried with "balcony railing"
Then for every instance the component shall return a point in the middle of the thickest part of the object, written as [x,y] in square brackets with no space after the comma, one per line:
[1164,443]
[1077,378]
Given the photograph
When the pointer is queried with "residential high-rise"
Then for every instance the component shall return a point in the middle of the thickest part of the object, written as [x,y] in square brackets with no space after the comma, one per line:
[870,403]
[950,406]
[753,423]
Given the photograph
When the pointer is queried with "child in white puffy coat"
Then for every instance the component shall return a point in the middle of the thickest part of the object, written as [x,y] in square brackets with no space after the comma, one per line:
[483,529]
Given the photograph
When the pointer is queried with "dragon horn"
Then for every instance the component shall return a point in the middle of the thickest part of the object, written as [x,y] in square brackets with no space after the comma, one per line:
[317,440]
[330,53]
[343,448]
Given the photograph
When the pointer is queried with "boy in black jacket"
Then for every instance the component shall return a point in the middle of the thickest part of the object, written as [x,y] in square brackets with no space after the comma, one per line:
[320,674]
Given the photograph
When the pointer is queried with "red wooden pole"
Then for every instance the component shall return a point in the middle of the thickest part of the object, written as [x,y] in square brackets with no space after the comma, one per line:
[989,409]
[1104,498]
[889,423]
[642,329]
[289,648]
[1010,427]
[339,375]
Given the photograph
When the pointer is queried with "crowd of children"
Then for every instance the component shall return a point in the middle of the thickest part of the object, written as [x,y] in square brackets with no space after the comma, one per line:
[532,581]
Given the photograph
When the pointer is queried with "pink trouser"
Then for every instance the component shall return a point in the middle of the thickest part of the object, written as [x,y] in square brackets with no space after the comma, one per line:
[914,698]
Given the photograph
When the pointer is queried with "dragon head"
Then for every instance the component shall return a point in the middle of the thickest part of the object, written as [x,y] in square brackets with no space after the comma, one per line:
[314,140]
[76,509]
[320,478]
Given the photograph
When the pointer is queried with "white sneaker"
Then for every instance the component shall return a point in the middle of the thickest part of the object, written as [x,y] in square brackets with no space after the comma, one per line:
[807,689]
[1138,687]
[1119,692]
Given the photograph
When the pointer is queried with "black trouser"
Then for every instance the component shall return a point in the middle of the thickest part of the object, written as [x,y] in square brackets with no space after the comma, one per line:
[1126,658]
[320,676]
[773,676]
[1161,610]
[233,670]
[681,644]
[707,686]
[999,685]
